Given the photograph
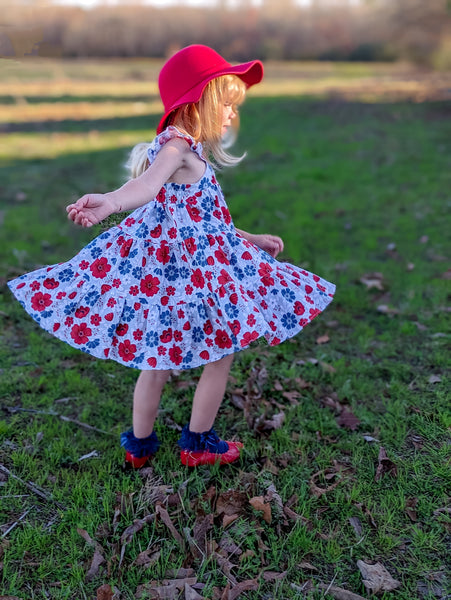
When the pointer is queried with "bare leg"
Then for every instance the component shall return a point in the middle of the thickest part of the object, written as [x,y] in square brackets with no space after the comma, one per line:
[209,394]
[146,400]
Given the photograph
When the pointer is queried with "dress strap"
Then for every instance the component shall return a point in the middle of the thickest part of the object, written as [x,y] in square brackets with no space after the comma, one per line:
[170,133]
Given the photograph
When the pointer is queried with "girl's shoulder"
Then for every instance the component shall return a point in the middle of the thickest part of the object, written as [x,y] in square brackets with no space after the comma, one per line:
[172,133]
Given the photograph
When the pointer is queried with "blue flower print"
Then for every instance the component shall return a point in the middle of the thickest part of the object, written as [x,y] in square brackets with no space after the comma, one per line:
[186,232]
[104,236]
[136,272]
[289,321]
[202,312]
[289,295]
[125,267]
[46,314]
[127,314]
[238,272]
[202,242]
[142,231]
[250,270]
[232,311]
[93,343]
[171,272]
[233,259]
[184,272]
[133,253]
[233,240]
[91,298]
[198,335]
[188,358]
[66,275]
[207,204]
[152,339]
[160,214]
[69,308]
[204,183]
[96,252]
[165,318]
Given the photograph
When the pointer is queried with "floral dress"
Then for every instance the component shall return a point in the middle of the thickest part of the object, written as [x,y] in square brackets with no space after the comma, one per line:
[173,285]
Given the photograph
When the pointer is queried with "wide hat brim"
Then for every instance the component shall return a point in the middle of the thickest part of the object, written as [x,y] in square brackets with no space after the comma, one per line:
[249,72]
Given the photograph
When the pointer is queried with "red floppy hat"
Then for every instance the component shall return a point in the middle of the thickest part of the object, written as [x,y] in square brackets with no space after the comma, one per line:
[185,75]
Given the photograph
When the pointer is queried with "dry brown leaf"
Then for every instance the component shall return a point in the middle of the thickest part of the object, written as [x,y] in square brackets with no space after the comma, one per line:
[326,473]
[248,554]
[434,379]
[274,575]
[385,466]
[231,502]
[259,504]
[160,510]
[278,386]
[387,310]
[227,544]
[97,560]
[229,519]
[292,396]
[373,280]
[243,586]
[357,526]
[179,573]
[339,593]
[323,339]
[130,531]
[104,592]
[225,566]
[201,527]
[348,420]
[147,558]
[376,578]
[411,506]
[306,566]
[191,594]
[275,422]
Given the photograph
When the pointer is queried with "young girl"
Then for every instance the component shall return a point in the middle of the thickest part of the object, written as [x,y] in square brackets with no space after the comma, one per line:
[175,284]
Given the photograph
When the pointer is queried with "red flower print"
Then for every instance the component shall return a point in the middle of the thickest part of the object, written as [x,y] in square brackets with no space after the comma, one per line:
[264,304]
[234,298]
[161,196]
[163,255]
[40,301]
[166,336]
[226,215]
[122,329]
[248,337]
[299,308]
[56,326]
[156,233]
[161,350]
[222,339]
[137,305]
[127,350]
[316,278]
[105,288]
[125,248]
[209,342]
[35,286]
[309,300]
[146,313]
[235,327]
[149,285]
[251,320]
[109,317]
[268,281]
[191,245]
[210,261]
[100,267]
[181,313]
[210,301]
[314,312]
[197,279]
[80,283]
[175,354]
[69,321]
[95,319]
[275,341]
[80,333]
[208,327]
[116,283]
[221,256]
[152,362]
[20,286]
[170,291]
[178,336]
[320,287]
[138,335]
[51,284]
[172,233]
[82,311]
[308,289]
[224,277]
[143,261]
[205,355]
[186,326]
[134,290]
[84,265]
[273,326]
[194,213]
[217,214]
[262,290]
[129,222]
[246,255]
[60,295]
[111,302]
[164,300]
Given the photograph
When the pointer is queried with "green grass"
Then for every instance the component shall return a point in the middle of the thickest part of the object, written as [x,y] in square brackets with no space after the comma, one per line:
[353,188]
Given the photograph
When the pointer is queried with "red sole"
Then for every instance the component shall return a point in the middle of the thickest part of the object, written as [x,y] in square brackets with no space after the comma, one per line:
[195,459]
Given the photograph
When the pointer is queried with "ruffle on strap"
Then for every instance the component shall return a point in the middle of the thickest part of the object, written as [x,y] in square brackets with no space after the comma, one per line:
[197,442]
[139,447]
[170,133]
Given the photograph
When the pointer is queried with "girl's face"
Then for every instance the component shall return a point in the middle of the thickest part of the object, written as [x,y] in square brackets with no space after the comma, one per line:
[227,115]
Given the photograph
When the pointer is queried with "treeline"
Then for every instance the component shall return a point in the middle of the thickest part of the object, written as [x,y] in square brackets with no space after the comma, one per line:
[416,30]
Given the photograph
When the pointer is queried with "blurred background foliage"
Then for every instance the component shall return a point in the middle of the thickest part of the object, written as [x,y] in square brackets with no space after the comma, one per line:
[418,31]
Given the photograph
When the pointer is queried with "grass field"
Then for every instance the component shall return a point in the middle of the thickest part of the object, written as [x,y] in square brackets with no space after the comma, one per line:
[346,427]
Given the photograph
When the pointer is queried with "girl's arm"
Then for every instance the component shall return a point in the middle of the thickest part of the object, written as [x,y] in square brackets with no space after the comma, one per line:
[272,244]
[93,208]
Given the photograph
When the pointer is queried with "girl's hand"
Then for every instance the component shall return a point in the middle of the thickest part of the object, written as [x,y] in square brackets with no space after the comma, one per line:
[90,209]
[272,244]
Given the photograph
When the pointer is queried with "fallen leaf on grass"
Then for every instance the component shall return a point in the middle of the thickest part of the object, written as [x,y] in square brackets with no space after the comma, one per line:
[373,280]
[306,566]
[339,593]
[411,511]
[168,589]
[130,531]
[239,588]
[434,379]
[104,592]
[247,554]
[275,422]
[274,575]
[348,420]
[385,466]
[387,310]
[292,396]
[376,578]
[357,526]
[97,560]
[323,339]
[229,519]
[259,504]
[230,503]
[163,513]
[191,594]
[147,558]
[327,474]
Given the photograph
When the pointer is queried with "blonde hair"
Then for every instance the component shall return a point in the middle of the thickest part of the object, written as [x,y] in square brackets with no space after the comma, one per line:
[202,120]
